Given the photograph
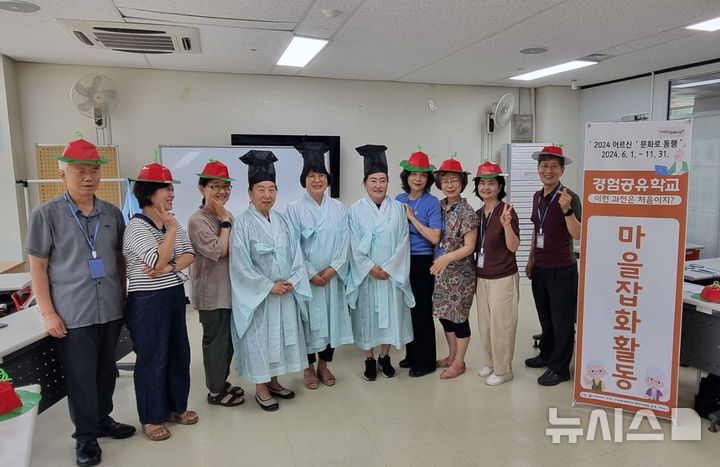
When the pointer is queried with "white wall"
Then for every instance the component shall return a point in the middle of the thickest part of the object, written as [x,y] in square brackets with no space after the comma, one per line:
[185,108]
[11,161]
[557,113]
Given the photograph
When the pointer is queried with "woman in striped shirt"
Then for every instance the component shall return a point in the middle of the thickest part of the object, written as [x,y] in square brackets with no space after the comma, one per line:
[156,250]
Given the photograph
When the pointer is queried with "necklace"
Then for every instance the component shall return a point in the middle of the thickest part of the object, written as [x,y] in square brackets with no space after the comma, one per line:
[413,203]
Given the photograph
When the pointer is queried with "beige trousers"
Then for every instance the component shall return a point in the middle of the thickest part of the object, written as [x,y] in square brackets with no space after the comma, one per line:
[497,310]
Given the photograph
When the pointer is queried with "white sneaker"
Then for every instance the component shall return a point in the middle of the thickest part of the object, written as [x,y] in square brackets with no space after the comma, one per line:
[485,371]
[495,380]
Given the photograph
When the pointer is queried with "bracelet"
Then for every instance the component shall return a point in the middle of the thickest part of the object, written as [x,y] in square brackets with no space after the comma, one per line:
[173,266]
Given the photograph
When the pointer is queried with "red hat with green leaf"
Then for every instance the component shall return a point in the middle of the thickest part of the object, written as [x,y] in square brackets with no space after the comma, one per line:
[452,165]
[80,152]
[418,162]
[155,173]
[217,170]
[489,170]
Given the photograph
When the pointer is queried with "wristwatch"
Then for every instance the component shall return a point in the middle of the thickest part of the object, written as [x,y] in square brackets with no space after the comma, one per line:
[225,225]
[568,213]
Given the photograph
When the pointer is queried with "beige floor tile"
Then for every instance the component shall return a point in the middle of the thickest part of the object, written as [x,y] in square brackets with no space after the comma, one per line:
[330,442]
[389,422]
[438,453]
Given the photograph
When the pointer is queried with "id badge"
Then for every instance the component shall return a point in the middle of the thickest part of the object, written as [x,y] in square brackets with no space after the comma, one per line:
[480,260]
[97,268]
[540,240]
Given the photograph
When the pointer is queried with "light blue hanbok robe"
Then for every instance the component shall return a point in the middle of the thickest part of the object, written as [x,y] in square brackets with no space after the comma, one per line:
[381,308]
[324,238]
[267,329]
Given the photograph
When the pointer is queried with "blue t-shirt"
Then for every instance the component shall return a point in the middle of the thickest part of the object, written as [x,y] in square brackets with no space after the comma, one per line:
[427,211]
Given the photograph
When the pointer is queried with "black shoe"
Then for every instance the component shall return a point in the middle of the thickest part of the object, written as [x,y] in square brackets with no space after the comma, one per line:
[283,393]
[88,452]
[550,378]
[386,369]
[117,430]
[536,362]
[370,369]
[404,363]
[417,373]
[268,405]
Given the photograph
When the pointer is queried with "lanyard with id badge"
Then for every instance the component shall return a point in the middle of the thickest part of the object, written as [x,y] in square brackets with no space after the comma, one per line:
[540,236]
[440,250]
[483,230]
[97,266]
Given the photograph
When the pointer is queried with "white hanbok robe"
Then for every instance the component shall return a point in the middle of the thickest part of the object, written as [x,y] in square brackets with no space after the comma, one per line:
[381,308]
[324,237]
[267,329]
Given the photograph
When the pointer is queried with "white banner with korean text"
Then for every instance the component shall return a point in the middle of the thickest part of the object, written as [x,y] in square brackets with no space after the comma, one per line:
[631,266]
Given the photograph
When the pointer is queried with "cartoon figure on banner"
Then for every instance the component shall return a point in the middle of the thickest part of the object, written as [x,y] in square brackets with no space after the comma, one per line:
[594,374]
[680,166]
[655,379]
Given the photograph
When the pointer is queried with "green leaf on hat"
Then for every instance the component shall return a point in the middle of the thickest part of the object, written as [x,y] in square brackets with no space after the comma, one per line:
[79,134]
[4,376]
[156,157]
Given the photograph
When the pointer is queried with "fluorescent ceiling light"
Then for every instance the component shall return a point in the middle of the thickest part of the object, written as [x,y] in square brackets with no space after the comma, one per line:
[709,25]
[553,70]
[300,51]
[696,83]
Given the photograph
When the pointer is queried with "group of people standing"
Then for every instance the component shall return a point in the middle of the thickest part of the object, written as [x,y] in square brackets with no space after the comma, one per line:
[280,291]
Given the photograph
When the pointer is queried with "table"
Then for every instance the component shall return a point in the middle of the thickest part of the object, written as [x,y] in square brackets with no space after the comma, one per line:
[12,282]
[692,251]
[12,266]
[29,356]
[703,271]
[700,337]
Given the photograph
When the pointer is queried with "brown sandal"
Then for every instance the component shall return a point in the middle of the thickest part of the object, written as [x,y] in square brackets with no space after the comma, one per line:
[453,371]
[156,432]
[310,379]
[188,417]
[444,362]
[326,376]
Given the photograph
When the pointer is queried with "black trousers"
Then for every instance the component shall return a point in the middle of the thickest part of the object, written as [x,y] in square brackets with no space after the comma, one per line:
[217,347]
[88,358]
[555,294]
[421,352]
[325,355]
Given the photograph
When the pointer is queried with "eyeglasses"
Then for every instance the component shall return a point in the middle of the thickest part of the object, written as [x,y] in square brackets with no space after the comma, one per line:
[552,167]
[452,181]
[217,187]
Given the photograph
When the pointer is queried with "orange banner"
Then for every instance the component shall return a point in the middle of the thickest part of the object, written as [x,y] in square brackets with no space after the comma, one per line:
[631,266]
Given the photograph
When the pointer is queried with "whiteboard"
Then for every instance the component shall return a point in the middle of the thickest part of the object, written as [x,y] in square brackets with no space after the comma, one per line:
[185,162]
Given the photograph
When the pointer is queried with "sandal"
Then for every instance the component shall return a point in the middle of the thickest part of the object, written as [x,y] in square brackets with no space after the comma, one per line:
[234,390]
[156,432]
[453,371]
[268,405]
[283,393]
[222,399]
[188,417]
[310,379]
[326,376]
[444,363]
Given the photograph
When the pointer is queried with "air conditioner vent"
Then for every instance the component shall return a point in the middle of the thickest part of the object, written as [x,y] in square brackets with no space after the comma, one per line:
[133,38]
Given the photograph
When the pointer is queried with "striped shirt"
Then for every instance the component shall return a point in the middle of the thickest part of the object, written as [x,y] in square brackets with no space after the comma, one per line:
[140,247]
